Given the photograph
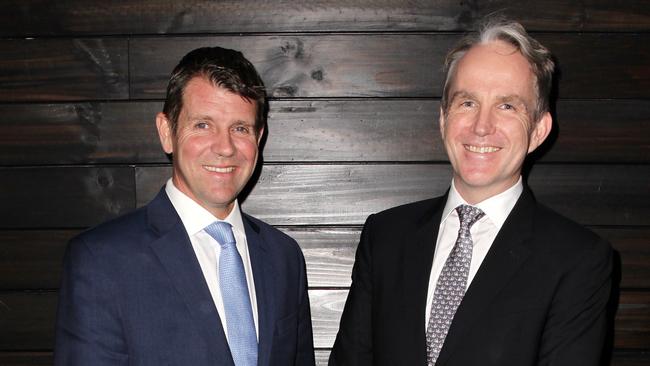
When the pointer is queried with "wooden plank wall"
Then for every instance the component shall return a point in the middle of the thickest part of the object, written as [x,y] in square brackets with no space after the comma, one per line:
[355,89]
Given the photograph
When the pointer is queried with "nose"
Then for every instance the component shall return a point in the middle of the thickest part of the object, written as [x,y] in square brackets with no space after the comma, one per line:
[484,123]
[222,144]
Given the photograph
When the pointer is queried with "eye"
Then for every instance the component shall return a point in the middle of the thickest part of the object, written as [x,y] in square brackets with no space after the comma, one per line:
[467,104]
[201,125]
[507,107]
[242,129]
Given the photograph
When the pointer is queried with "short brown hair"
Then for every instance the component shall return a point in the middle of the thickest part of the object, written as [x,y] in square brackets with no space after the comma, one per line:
[225,68]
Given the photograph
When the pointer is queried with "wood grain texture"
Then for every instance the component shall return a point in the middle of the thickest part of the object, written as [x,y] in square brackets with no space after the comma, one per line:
[32,259]
[355,90]
[329,253]
[347,194]
[323,194]
[303,65]
[595,194]
[354,130]
[27,319]
[633,250]
[39,17]
[588,71]
[620,358]
[26,359]
[632,321]
[63,69]
[80,133]
[64,197]
[606,131]
[633,358]
[355,65]
[308,65]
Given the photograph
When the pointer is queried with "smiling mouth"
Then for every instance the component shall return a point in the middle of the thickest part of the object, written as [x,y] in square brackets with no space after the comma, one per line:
[215,169]
[481,149]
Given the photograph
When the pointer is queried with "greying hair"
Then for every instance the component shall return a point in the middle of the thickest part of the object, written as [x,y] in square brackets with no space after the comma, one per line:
[513,33]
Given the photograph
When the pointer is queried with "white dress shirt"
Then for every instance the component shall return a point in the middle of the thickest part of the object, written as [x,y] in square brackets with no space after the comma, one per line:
[496,209]
[195,218]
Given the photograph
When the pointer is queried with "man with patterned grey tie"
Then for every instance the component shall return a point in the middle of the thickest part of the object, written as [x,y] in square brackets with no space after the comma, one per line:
[189,279]
[483,275]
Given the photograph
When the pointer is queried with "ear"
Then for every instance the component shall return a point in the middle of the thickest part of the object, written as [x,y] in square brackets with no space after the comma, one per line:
[442,122]
[259,135]
[540,131]
[165,133]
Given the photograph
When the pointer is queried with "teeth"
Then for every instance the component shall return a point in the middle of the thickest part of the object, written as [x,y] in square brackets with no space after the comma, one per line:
[218,170]
[482,149]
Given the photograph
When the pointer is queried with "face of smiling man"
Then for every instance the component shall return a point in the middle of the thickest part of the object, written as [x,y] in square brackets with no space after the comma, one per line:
[487,129]
[214,147]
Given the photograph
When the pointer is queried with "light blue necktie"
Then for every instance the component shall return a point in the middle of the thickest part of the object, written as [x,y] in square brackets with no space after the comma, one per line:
[236,301]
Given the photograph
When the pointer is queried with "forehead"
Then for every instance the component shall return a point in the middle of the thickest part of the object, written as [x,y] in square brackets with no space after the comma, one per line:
[495,67]
[201,94]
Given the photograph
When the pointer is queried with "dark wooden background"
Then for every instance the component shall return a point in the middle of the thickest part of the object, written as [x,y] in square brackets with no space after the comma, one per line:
[355,89]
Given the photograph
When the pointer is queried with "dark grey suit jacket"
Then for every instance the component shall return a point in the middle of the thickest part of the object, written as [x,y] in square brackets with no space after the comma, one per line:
[538,298]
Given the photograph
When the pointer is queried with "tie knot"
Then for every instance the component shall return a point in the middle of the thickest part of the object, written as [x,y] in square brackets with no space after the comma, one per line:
[469,215]
[221,231]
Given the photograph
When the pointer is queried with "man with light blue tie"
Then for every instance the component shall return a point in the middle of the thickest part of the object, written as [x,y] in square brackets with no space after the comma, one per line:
[189,279]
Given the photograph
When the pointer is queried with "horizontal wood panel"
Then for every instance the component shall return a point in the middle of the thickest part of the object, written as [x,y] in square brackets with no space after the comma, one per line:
[312,194]
[311,130]
[352,65]
[308,65]
[632,321]
[27,319]
[80,133]
[64,197]
[633,250]
[630,358]
[33,18]
[595,194]
[63,69]
[26,359]
[586,70]
[347,194]
[620,358]
[329,253]
[357,65]
[31,259]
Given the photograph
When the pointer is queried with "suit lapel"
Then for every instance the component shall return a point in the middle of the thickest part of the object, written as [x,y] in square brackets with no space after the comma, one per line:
[174,250]
[417,269]
[262,275]
[506,255]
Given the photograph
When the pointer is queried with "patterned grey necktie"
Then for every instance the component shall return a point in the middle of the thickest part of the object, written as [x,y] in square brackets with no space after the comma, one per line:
[450,288]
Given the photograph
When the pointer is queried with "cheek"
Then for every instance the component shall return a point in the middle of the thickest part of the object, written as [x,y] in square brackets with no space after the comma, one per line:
[248,148]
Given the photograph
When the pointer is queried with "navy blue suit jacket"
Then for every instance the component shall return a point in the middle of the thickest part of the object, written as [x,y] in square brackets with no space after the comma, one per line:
[133,293]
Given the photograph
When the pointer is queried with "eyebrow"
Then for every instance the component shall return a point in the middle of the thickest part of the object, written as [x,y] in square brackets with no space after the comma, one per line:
[503,98]
[463,94]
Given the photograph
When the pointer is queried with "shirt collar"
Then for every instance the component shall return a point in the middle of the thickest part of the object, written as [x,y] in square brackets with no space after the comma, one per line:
[496,208]
[195,217]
